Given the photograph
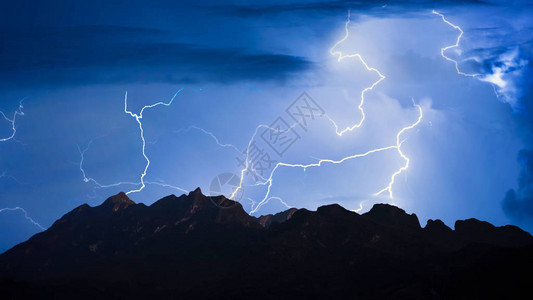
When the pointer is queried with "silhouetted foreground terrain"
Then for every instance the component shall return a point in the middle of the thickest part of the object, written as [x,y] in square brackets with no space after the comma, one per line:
[195,247]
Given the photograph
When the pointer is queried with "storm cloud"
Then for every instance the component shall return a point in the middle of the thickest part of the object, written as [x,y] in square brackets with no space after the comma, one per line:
[113,54]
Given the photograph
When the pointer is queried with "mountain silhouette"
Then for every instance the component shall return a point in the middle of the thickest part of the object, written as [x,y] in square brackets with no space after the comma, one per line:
[199,247]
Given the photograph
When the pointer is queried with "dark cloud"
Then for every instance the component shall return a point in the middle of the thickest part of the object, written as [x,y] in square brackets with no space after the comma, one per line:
[518,204]
[377,8]
[111,54]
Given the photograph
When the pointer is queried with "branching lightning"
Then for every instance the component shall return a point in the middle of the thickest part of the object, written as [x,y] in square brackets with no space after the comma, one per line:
[142,183]
[89,179]
[268,182]
[115,184]
[338,53]
[256,207]
[495,79]
[399,148]
[138,118]
[247,159]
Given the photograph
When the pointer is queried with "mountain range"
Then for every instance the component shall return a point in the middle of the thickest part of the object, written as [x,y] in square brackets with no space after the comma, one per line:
[200,247]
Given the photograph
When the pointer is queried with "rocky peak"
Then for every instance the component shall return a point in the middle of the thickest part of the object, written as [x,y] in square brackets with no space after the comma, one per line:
[394,217]
[118,201]
[437,226]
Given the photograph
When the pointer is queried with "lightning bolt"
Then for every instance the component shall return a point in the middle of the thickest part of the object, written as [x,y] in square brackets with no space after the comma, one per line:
[493,79]
[456,45]
[360,207]
[102,186]
[266,201]
[398,145]
[269,181]
[247,160]
[399,148]
[25,215]
[89,179]
[12,121]
[333,52]
[138,118]
[99,185]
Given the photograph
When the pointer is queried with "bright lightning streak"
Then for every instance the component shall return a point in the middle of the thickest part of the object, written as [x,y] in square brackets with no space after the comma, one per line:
[102,186]
[318,164]
[269,181]
[247,160]
[338,53]
[456,45]
[138,118]
[399,147]
[25,215]
[12,120]
[360,207]
[268,200]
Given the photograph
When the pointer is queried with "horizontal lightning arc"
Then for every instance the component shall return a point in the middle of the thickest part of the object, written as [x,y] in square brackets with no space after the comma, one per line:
[317,164]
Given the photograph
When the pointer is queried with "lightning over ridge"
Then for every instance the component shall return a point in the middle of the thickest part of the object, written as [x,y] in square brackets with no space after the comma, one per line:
[142,183]
[269,181]
[248,167]
[138,118]
[399,148]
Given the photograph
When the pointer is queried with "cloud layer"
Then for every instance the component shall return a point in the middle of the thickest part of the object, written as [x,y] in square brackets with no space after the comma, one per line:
[111,54]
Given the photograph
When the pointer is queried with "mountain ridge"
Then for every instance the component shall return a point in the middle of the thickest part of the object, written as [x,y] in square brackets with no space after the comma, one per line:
[196,240]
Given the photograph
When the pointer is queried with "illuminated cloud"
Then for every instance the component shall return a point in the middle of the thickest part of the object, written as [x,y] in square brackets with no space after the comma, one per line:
[505,73]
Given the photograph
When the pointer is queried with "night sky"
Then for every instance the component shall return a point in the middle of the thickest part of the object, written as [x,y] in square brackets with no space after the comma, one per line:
[251,85]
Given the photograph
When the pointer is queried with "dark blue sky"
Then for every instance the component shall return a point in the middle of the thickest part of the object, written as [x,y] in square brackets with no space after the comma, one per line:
[240,64]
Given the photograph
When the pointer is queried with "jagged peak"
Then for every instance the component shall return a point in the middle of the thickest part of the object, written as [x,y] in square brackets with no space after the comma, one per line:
[118,201]
[197,191]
